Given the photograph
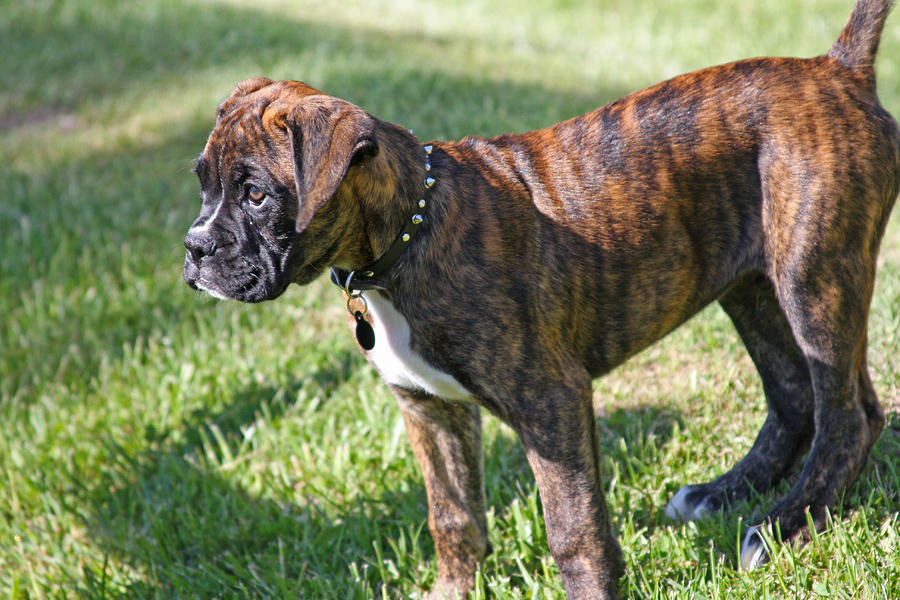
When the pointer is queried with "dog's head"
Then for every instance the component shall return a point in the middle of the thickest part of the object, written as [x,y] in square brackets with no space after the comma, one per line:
[274,160]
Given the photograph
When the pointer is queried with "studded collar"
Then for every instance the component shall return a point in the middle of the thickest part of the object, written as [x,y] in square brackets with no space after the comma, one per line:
[370,277]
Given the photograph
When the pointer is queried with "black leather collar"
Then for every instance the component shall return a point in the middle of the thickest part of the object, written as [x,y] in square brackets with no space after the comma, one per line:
[370,277]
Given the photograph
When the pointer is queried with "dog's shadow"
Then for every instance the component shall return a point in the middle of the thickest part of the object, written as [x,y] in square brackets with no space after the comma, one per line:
[164,512]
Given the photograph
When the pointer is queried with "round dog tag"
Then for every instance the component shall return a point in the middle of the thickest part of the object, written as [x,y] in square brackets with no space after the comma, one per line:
[365,335]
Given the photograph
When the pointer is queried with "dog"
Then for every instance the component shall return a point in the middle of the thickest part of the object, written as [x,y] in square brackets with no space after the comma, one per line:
[507,273]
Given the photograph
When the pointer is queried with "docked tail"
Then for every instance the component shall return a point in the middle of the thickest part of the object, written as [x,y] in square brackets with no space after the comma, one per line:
[858,43]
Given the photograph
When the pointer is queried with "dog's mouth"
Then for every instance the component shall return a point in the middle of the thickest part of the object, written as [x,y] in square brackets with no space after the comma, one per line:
[252,289]
[208,287]
[250,286]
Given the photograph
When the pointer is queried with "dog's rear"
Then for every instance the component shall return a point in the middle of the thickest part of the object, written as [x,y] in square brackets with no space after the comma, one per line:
[829,173]
[716,163]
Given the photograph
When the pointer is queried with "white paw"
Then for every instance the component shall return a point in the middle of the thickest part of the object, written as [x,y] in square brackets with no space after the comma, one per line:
[753,550]
[678,508]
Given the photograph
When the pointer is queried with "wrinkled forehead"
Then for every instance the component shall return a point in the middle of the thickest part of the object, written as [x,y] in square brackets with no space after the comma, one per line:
[251,134]
[243,137]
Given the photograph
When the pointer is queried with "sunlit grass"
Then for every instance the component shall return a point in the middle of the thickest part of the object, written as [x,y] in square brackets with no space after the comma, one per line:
[157,443]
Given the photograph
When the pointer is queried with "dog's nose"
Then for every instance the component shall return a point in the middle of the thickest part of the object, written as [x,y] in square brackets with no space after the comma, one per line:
[199,244]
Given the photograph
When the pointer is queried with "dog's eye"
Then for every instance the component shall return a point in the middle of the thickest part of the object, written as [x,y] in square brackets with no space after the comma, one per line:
[255,195]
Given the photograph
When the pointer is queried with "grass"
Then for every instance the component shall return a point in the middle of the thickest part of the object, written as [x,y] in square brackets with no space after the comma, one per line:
[156,443]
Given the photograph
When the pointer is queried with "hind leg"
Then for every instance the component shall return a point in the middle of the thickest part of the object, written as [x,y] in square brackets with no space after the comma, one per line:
[824,287]
[788,428]
[848,420]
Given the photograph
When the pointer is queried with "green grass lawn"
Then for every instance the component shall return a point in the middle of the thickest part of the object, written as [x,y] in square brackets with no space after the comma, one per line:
[157,443]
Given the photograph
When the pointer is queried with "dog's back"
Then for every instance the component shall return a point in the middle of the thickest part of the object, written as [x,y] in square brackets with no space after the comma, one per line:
[707,176]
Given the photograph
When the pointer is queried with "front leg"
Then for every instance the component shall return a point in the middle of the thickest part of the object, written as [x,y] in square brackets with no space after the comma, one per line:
[559,434]
[446,438]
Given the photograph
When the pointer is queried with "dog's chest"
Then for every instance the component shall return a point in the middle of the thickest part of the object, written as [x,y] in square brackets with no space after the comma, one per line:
[395,359]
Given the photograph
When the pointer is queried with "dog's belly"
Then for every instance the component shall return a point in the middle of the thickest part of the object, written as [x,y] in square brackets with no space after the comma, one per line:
[398,364]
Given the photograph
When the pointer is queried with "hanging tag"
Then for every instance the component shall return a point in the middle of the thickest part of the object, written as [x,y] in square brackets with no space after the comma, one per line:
[365,335]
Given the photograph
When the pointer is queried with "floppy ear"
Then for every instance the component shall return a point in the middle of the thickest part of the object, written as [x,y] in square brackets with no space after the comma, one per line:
[327,136]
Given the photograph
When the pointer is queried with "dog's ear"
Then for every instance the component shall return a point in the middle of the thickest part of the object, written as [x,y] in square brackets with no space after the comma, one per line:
[327,137]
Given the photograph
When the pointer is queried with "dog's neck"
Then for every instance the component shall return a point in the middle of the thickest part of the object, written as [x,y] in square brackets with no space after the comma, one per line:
[400,177]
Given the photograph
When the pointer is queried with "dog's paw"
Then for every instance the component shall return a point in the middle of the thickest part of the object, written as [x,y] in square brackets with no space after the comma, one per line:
[689,504]
[754,553]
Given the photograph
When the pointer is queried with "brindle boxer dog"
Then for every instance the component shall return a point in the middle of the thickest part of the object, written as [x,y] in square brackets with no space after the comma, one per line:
[506,273]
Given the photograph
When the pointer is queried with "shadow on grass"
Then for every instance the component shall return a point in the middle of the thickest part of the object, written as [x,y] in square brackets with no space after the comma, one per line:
[115,218]
[89,50]
[194,533]
[102,221]
[185,527]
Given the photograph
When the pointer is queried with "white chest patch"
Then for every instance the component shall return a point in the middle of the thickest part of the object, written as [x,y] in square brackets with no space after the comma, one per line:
[396,361]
